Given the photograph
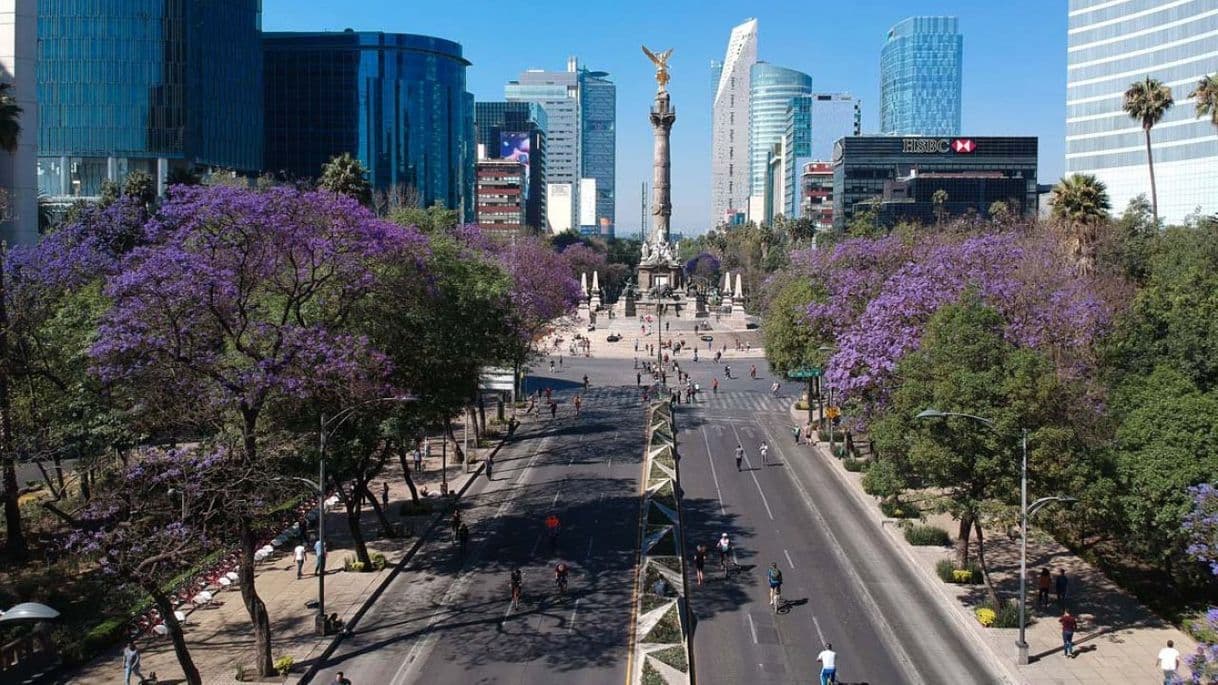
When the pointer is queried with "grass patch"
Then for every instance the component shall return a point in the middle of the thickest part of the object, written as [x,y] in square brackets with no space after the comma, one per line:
[650,601]
[651,676]
[665,496]
[667,629]
[927,536]
[656,473]
[665,546]
[894,508]
[853,465]
[673,656]
[671,563]
[665,458]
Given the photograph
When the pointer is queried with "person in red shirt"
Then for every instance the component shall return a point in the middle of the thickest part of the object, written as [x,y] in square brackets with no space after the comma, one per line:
[1069,623]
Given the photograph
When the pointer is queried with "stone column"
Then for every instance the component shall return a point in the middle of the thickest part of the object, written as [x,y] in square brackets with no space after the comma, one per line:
[663,116]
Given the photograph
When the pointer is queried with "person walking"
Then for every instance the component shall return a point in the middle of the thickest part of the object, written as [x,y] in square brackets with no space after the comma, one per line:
[1169,662]
[1044,583]
[490,465]
[1060,586]
[553,409]
[765,450]
[385,494]
[551,366]
[739,455]
[1069,624]
[700,561]
[340,679]
[638,379]
[319,562]
[715,385]
[579,402]
[299,553]
[131,664]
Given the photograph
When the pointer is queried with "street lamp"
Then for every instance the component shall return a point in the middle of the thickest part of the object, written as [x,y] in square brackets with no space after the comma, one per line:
[1025,512]
[28,611]
[333,424]
[660,335]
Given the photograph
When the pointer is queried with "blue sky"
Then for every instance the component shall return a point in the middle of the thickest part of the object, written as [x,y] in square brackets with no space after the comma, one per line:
[1014,63]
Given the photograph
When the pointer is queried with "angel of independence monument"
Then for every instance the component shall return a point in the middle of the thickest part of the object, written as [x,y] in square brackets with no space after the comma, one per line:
[660,273]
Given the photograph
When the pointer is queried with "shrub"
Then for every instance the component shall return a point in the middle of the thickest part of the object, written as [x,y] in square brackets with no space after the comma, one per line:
[241,674]
[283,665]
[1006,615]
[928,536]
[948,573]
[854,465]
[378,561]
[673,656]
[350,564]
[986,616]
[893,507]
[944,569]
[881,479]
[801,405]
[962,575]
[651,676]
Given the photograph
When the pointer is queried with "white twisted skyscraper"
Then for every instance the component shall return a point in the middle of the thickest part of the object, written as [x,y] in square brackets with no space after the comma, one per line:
[730,123]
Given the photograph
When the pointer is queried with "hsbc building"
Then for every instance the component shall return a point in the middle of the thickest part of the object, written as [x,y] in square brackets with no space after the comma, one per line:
[899,177]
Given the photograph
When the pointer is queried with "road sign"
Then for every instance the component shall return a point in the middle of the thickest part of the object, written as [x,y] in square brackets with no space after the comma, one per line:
[833,412]
[804,372]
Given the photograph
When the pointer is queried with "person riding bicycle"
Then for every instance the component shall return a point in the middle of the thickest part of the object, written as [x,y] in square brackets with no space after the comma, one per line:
[828,665]
[517,581]
[739,455]
[775,578]
[552,526]
[560,575]
[765,450]
[753,371]
[585,381]
[725,548]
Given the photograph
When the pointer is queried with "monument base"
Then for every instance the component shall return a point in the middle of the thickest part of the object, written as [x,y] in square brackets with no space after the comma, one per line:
[660,275]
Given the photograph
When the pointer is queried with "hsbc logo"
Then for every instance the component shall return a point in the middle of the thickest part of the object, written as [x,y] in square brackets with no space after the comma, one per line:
[963,146]
[938,146]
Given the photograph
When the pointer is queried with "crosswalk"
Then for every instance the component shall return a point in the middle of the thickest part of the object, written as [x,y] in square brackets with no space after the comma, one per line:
[725,401]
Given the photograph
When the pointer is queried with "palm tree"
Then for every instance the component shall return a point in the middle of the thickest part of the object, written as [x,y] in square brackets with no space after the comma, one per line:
[1147,101]
[10,114]
[1206,94]
[1080,205]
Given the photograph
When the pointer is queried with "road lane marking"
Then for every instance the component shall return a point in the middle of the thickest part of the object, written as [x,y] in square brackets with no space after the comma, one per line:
[756,482]
[571,625]
[752,627]
[555,499]
[819,633]
[589,554]
[535,546]
[722,511]
[788,556]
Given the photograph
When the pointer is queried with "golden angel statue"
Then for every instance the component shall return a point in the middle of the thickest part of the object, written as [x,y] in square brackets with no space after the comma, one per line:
[661,62]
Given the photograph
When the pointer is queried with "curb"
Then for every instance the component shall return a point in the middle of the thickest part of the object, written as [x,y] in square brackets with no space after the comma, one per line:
[928,581]
[376,593]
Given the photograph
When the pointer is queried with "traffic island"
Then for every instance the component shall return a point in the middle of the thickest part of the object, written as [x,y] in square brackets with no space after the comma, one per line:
[660,653]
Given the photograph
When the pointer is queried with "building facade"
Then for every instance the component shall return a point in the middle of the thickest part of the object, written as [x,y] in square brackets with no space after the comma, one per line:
[834,116]
[517,131]
[500,205]
[18,169]
[814,123]
[771,91]
[598,127]
[730,173]
[816,194]
[898,177]
[1111,45]
[395,101]
[920,77]
[129,84]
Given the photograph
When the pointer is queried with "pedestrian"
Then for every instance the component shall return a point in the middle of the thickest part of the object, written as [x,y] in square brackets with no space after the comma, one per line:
[579,402]
[700,561]
[299,554]
[319,562]
[553,409]
[796,431]
[340,679]
[636,361]
[131,663]
[463,537]
[418,460]
[765,451]
[1069,623]
[636,344]
[1060,585]
[667,325]
[385,494]
[715,385]
[1169,662]
[638,379]
[560,361]
[549,392]
[490,464]
[739,455]
[695,354]
[551,366]
[1043,584]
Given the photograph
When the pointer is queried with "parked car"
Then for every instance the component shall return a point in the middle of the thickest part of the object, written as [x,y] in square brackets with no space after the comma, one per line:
[591,327]
[613,337]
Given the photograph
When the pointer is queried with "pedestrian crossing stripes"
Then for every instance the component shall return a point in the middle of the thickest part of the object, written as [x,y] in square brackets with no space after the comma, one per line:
[602,397]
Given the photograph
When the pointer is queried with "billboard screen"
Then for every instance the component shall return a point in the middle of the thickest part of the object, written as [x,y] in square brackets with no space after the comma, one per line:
[515,146]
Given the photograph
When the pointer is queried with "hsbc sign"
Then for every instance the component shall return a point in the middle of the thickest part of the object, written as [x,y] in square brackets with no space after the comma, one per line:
[937,146]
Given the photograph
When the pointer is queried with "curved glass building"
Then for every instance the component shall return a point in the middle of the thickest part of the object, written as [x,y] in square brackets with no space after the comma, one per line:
[771,90]
[396,101]
[141,84]
[1113,44]
[920,76]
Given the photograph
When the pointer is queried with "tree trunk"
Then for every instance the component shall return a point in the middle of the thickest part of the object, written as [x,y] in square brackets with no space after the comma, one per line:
[57,493]
[254,605]
[175,633]
[405,461]
[962,538]
[380,513]
[58,459]
[448,429]
[353,502]
[481,414]
[85,493]
[15,546]
[1150,163]
[985,571]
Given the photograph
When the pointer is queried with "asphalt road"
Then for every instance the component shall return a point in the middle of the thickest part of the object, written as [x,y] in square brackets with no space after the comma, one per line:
[447,620]
[845,584]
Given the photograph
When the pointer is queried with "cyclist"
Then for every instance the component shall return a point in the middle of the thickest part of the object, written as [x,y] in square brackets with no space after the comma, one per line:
[700,561]
[725,548]
[828,665]
[739,455]
[727,371]
[715,385]
[579,402]
[774,388]
[753,372]
[765,450]
[775,577]
[585,381]
[552,527]
[560,576]
[517,580]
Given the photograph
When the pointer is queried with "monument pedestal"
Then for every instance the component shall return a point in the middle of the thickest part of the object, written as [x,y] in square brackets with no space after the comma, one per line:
[659,275]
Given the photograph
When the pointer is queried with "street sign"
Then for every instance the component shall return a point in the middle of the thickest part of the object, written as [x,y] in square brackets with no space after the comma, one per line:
[804,372]
[833,412]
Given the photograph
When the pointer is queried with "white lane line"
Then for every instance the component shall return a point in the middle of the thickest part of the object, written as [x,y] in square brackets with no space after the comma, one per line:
[819,634]
[752,628]
[571,624]
[754,475]
[788,556]
[722,511]
[555,499]
[430,635]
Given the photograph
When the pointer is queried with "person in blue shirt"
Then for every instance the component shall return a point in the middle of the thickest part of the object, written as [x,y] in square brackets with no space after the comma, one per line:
[775,577]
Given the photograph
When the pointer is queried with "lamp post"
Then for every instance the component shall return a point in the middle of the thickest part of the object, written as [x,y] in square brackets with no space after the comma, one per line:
[327,427]
[1025,512]
[660,335]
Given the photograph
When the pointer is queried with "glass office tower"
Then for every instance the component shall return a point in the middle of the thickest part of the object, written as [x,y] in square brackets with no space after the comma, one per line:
[771,90]
[132,84]
[598,126]
[730,173]
[1111,45]
[814,123]
[396,101]
[920,77]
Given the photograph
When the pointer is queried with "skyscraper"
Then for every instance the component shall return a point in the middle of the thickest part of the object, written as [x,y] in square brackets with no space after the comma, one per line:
[395,101]
[514,130]
[1112,45]
[18,169]
[771,90]
[598,127]
[813,124]
[132,84]
[920,76]
[730,174]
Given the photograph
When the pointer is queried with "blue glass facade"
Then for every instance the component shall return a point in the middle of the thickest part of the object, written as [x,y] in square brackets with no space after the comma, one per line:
[396,101]
[920,77]
[598,126]
[771,90]
[147,84]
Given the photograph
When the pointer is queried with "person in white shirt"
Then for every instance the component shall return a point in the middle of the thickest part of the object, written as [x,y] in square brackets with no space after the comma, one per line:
[1169,661]
[828,664]
[300,558]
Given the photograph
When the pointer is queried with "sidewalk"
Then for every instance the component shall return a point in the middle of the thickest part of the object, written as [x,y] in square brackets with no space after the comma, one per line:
[629,331]
[1117,639]
[220,637]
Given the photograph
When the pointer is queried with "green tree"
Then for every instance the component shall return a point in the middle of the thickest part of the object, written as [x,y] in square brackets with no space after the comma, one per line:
[789,344]
[939,200]
[1080,207]
[1127,248]
[432,220]
[10,119]
[1206,94]
[1146,101]
[141,187]
[346,175]
[1000,211]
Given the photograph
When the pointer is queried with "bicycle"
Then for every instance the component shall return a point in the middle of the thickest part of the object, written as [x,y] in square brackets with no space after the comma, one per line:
[776,598]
